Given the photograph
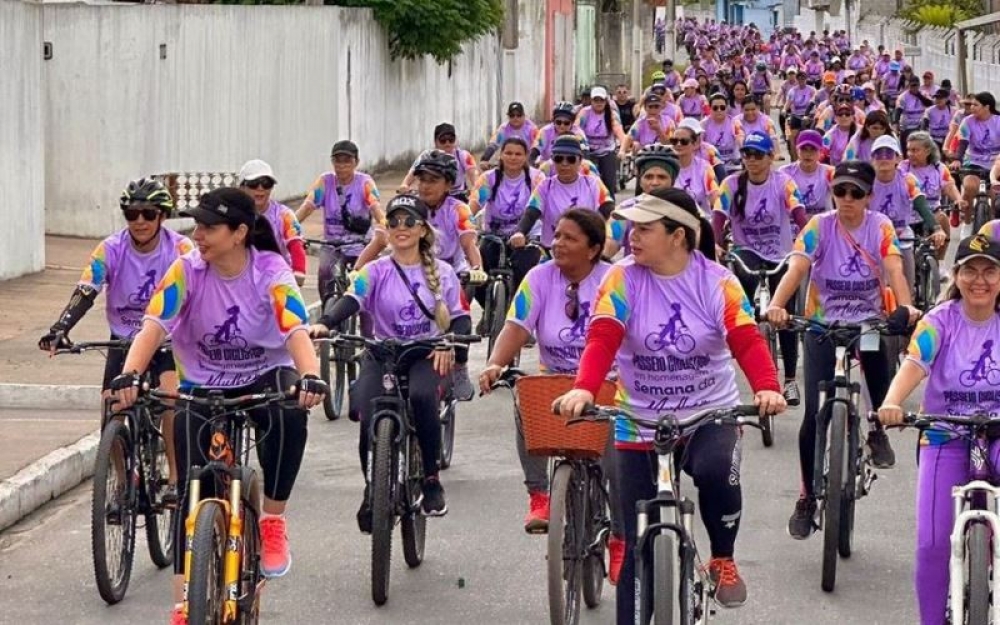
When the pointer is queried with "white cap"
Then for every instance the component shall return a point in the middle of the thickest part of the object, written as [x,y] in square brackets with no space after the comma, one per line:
[599,92]
[887,141]
[252,170]
[691,124]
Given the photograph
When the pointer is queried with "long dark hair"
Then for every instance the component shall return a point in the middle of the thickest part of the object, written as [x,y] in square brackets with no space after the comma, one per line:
[704,240]
[873,117]
[498,176]
[261,236]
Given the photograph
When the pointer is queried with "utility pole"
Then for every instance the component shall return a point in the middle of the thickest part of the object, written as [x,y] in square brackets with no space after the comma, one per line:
[636,48]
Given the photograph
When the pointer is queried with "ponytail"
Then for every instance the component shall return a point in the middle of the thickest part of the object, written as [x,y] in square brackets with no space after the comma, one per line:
[261,236]
[442,317]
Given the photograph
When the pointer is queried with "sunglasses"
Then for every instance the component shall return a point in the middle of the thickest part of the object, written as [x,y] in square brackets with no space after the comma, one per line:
[654,107]
[563,122]
[572,308]
[559,159]
[515,115]
[720,108]
[260,183]
[884,154]
[679,141]
[753,155]
[407,221]
[843,190]
[149,214]
[446,139]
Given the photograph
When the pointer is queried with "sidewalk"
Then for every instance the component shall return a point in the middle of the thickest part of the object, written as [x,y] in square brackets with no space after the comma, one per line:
[48,433]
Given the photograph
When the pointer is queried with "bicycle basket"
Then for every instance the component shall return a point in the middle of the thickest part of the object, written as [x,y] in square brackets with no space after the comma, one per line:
[545,433]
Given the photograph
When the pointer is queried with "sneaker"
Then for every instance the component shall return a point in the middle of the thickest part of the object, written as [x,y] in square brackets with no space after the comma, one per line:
[275,557]
[802,523]
[616,558]
[537,519]
[461,383]
[365,514]
[791,393]
[730,590]
[177,617]
[883,457]
[434,503]
[954,218]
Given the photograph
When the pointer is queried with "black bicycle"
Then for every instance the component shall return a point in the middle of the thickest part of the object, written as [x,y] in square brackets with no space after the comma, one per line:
[927,273]
[499,289]
[130,480]
[984,208]
[338,366]
[395,469]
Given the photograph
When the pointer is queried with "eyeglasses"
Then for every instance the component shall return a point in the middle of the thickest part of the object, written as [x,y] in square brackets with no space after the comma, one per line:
[260,183]
[149,214]
[563,122]
[884,154]
[446,139]
[990,276]
[559,159]
[572,308]
[753,155]
[680,141]
[843,190]
[720,108]
[407,221]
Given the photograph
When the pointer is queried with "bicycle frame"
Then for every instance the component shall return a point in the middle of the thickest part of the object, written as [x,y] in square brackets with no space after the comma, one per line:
[762,296]
[978,492]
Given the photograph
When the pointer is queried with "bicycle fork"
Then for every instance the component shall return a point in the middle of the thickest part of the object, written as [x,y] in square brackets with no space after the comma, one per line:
[964,517]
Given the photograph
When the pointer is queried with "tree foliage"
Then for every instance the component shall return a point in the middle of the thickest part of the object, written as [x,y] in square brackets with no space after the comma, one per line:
[435,27]
[935,13]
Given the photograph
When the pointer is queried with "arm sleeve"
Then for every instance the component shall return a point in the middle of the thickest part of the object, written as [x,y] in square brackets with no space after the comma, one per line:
[750,352]
[288,305]
[297,251]
[604,337]
[95,274]
[338,311]
[528,219]
[925,344]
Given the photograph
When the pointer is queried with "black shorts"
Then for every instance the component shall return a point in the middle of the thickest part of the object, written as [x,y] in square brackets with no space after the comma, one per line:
[163,360]
[980,172]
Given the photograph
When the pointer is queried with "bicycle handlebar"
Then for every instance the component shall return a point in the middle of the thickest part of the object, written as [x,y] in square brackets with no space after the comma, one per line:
[840,329]
[334,244]
[923,421]
[734,258]
[79,348]
[735,416]
[243,402]
[461,341]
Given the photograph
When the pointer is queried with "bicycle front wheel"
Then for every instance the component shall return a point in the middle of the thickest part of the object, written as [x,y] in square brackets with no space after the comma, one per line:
[597,529]
[767,423]
[112,513]
[978,558]
[498,309]
[414,524]
[665,595]
[835,461]
[206,584]
[565,568]
[931,286]
[982,212]
[250,575]
[325,373]
[383,509]
[160,524]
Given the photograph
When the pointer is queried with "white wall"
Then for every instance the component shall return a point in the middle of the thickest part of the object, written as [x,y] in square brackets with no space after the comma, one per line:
[22,135]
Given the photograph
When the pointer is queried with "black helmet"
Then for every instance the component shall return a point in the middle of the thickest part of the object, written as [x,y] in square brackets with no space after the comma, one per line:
[440,163]
[147,191]
[656,153]
[563,109]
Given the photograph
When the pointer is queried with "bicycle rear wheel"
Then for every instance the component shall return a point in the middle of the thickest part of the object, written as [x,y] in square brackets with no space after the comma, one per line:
[383,510]
[325,371]
[767,422]
[596,531]
[446,414]
[498,308]
[978,558]
[206,586]
[665,595]
[982,212]
[250,575]
[414,524]
[931,283]
[835,461]
[112,513]
[565,568]
[160,524]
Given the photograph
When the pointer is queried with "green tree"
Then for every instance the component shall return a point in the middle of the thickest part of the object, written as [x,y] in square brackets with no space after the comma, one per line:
[936,13]
[435,27]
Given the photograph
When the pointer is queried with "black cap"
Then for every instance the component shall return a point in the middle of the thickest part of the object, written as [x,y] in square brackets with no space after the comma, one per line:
[859,173]
[913,82]
[515,107]
[227,205]
[444,129]
[942,93]
[567,144]
[977,246]
[652,98]
[344,147]
[409,203]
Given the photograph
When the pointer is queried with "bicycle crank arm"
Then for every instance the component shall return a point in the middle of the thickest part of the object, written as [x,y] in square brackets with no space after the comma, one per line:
[866,483]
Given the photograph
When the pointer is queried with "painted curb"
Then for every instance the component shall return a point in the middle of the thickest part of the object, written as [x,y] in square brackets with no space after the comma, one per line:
[50,396]
[47,478]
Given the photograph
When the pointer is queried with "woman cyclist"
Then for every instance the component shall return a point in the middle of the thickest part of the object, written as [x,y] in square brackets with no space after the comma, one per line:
[257,180]
[720,131]
[656,168]
[445,140]
[518,125]
[860,146]
[130,263]
[797,106]
[602,126]
[235,280]
[924,162]
[978,143]
[668,282]
[349,201]
[738,96]
[811,177]
[956,336]
[691,102]
[652,127]
[760,86]
[696,176]
[836,139]
[753,120]
[910,108]
[563,123]
[937,118]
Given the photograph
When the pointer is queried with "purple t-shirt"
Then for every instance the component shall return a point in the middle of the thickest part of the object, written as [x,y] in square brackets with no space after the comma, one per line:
[131,276]
[760,83]
[835,140]
[284,225]
[674,357]
[693,106]
[765,226]
[932,179]
[800,99]
[552,198]
[894,199]
[226,331]
[384,295]
[501,214]
[540,307]
[452,220]
[357,197]
[814,188]
[938,122]
[983,138]
[698,179]
[600,137]
[911,111]
[723,136]
[844,283]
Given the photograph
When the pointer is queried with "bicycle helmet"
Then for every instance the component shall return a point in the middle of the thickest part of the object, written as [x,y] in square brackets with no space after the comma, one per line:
[563,109]
[659,154]
[440,163]
[761,65]
[147,191]
[843,91]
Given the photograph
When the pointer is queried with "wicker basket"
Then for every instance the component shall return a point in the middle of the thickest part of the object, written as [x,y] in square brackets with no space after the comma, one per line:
[545,433]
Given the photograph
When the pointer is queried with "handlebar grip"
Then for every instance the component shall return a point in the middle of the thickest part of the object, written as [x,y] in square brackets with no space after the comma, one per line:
[746,410]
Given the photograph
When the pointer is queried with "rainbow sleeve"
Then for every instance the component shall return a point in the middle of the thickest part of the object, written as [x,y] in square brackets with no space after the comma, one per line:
[913,190]
[317,193]
[926,342]
[890,244]
[964,131]
[946,177]
[95,274]
[523,304]
[793,198]
[711,184]
[725,201]
[184,246]
[603,195]
[535,201]
[289,309]
[370,193]
[290,226]
[362,283]
[464,215]
[616,230]
[481,193]
[736,308]
[612,296]
[808,240]
[167,300]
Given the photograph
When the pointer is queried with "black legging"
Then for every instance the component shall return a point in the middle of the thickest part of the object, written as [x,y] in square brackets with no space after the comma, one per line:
[712,459]
[607,164]
[521,261]
[281,441]
[424,383]
[818,365]
[786,338]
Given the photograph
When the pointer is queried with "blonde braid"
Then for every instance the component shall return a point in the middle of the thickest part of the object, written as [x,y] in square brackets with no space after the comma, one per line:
[441,314]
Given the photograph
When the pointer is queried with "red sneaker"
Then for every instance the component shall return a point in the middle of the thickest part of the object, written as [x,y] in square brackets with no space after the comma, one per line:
[730,589]
[954,217]
[537,519]
[177,617]
[275,557]
[616,558]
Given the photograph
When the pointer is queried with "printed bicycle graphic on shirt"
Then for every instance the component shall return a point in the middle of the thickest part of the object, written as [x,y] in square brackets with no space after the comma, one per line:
[760,216]
[855,265]
[579,328]
[228,333]
[144,293]
[411,312]
[674,333]
[985,368]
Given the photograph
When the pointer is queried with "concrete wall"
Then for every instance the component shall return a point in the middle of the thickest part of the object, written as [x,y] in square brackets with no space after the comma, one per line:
[22,135]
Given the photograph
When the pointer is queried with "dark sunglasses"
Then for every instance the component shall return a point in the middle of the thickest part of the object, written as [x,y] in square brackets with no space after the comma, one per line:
[845,114]
[149,214]
[407,221]
[720,108]
[842,190]
[680,141]
[260,183]
[563,122]
[753,155]
[446,139]
[559,159]
[572,308]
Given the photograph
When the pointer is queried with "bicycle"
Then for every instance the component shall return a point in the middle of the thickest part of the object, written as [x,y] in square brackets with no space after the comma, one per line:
[844,473]
[670,336]
[498,289]
[337,367]
[672,585]
[927,273]
[626,171]
[395,468]
[973,567]
[222,578]
[762,300]
[130,475]
[983,206]
[579,521]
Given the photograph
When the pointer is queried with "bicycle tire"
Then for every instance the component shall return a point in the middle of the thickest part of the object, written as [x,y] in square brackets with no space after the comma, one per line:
[563,575]
[498,309]
[324,373]
[447,415]
[383,509]
[767,422]
[250,575]
[597,520]
[665,595]
[112,581]
[834,494]
[978,559]
[206,589]
[931,282]
[413,525]
[982,212]
[160,522]
[845,542]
